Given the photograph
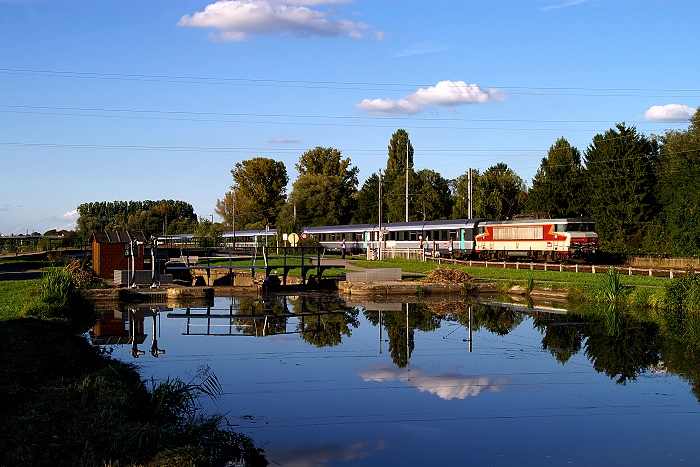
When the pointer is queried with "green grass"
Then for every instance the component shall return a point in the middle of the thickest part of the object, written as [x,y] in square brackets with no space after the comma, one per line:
[14,296]
[64,403]
[515,275]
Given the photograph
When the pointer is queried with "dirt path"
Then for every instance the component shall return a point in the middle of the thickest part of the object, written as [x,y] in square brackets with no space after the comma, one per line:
[341,262]
[15,272]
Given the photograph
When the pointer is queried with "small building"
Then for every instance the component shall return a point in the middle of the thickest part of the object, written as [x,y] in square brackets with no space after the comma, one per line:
[111,250]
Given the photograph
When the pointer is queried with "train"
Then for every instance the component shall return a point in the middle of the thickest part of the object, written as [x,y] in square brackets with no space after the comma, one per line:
[531,238]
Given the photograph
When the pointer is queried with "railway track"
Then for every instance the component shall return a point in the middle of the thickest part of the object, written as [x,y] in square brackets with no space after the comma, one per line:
[561,267]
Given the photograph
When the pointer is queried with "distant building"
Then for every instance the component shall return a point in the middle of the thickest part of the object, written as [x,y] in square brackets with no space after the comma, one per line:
[112,250]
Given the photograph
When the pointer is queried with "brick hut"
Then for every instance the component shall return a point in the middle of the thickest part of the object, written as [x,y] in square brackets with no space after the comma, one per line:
[110,251]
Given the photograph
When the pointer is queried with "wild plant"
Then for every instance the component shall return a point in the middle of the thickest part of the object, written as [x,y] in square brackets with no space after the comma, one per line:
[613,290]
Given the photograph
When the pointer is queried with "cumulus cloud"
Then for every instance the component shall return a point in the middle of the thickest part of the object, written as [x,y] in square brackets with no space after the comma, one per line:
[70,215]
[444,94]
[669,113]
[238,20]
[447,387]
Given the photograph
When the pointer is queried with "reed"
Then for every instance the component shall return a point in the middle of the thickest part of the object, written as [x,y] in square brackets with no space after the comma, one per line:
[612,289]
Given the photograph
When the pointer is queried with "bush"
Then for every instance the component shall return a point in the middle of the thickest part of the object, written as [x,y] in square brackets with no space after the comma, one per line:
[62,299]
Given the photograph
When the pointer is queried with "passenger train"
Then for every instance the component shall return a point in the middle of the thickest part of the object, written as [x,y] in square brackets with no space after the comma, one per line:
[533,237]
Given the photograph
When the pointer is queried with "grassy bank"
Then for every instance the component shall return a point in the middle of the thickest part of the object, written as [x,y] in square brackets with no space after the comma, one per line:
[64,402]
[579,286]
[14,295]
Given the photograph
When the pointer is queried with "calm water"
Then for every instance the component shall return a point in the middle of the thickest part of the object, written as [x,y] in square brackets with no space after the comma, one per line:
[320,383]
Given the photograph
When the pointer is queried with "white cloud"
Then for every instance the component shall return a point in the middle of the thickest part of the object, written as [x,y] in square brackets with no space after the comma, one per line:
[669,113]
[284,141]
[446,387]
[71,215]
[237,20]
[445,94]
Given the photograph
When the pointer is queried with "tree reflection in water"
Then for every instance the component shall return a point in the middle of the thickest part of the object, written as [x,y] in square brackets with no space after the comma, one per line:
[615,340]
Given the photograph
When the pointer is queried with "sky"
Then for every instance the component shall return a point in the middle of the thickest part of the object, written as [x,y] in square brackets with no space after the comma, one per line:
[159,99]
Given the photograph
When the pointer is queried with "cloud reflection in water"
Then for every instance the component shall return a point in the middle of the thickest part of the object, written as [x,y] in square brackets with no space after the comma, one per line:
[447,387]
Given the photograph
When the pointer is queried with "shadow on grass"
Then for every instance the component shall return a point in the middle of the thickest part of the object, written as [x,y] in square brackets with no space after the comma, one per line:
[64,403]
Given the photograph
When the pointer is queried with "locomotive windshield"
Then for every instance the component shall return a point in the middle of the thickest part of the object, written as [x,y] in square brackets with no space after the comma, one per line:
[580,227]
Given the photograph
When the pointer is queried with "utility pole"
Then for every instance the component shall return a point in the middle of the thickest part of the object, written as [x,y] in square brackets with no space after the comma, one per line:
[470,193]
[379,235]
[406,181]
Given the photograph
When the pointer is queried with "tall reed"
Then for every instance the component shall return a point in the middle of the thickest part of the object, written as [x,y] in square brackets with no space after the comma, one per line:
[612,289]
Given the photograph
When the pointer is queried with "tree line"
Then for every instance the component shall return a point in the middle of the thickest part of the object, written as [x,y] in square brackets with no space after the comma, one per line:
[643,191]
[151,217]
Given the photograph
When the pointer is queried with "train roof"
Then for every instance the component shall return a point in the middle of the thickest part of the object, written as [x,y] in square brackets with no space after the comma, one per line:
[395,226]
[563,220]
[340,228]
[250,233]
[431,225]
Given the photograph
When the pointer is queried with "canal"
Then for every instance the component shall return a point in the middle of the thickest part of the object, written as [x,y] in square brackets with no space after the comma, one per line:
[317,381]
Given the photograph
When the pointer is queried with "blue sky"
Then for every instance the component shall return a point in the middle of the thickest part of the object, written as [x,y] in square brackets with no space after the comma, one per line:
[122,100]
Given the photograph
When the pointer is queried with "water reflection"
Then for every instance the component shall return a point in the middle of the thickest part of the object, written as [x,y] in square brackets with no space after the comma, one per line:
[615,342]
[127,326]
[445,386]
[321,381]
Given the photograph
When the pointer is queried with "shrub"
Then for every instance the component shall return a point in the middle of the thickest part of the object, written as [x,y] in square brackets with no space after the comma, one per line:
[62,299]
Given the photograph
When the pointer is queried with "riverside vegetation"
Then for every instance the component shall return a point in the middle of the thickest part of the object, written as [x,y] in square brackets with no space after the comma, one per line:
[66,402]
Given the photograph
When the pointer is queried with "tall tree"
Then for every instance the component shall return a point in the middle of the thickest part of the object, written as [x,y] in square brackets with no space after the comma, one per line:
[460,197]
[324,192]
[620,187]
[679,185]
[226,209]
[557,185]
[432,198]
[367,202]
[259,188]
[499,192]
[394,187]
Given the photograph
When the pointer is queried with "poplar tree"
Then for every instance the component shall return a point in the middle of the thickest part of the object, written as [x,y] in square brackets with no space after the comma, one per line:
[394,187]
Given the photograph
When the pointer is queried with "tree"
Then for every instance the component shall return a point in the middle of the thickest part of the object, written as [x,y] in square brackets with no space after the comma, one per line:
[149,216]
[394,187]
[432,198]
[226,209]
[499,192]
[259,188]
[557,185]
[207,234]
[620,180]
[679,188]
[324,192]
[367,202]
[460,197]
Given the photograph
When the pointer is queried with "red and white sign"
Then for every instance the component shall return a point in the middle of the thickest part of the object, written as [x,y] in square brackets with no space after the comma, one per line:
[304,235]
